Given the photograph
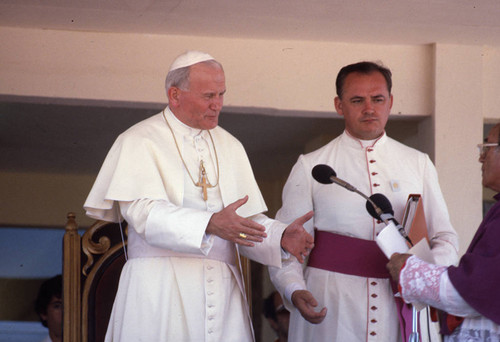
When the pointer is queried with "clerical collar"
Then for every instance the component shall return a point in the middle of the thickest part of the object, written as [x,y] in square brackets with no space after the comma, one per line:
[365,143]
[180,126]
[368,143]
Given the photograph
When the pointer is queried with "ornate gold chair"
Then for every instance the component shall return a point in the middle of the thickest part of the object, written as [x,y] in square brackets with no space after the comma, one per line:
[92,264]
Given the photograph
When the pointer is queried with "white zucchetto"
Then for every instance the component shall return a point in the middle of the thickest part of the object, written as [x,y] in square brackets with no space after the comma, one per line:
[190,58]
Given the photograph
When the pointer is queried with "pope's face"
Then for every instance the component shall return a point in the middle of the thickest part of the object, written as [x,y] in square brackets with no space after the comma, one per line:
[491,162]
[200,105]
[365,105]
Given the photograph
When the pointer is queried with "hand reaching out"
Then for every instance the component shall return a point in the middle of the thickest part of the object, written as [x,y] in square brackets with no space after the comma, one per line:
[296,240]
[228,225]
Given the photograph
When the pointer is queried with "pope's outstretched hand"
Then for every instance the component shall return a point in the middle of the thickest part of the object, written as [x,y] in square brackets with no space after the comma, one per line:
[230,226]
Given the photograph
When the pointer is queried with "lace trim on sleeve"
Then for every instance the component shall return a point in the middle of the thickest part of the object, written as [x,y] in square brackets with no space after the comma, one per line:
[419,282]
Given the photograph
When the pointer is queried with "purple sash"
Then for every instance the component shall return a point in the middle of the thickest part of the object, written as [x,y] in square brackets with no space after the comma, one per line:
[348,255]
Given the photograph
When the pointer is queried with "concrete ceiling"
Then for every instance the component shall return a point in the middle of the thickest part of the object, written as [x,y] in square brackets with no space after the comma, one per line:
[38,136]
[376,21]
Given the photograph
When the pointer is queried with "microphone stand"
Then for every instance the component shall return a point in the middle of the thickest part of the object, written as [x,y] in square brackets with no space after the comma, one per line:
[349,187]
[414,336]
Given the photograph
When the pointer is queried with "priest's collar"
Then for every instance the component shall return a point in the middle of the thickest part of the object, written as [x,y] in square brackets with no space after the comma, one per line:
[358,143]
[180,126]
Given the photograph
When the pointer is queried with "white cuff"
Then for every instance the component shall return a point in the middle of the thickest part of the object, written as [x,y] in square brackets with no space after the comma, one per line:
[290,289]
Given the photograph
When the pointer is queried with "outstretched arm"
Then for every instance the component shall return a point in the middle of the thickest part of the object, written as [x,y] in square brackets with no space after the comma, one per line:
[296,240]
[228,225]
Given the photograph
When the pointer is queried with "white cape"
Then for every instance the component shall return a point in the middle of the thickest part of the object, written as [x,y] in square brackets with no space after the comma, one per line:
[142,164]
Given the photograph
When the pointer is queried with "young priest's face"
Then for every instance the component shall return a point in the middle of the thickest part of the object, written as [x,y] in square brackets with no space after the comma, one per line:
[365,105]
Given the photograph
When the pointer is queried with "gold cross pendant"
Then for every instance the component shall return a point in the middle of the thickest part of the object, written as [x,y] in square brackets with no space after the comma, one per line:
[203,183]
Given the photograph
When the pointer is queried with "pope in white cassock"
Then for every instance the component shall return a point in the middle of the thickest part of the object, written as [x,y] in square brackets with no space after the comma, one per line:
[187,191]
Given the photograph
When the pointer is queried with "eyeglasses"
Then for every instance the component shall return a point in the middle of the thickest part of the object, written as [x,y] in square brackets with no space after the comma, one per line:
[483,148]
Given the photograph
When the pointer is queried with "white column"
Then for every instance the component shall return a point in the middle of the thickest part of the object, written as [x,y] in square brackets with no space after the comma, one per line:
[458,123]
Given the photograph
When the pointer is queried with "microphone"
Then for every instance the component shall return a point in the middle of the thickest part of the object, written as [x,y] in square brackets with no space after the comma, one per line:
[324,174]
[383,203]
[385,206]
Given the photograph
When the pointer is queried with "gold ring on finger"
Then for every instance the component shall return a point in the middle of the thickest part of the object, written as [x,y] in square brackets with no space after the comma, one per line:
[243,235]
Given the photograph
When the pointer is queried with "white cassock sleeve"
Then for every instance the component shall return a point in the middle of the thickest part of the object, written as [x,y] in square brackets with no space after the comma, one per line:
[290,277]
[160,223]
[268,252]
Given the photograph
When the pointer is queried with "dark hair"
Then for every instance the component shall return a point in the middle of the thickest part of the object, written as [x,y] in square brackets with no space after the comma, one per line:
[269,309]
[49,288]
[362,68]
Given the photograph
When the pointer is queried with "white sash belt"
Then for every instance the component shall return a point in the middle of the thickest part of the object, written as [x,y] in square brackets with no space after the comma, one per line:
[221,250]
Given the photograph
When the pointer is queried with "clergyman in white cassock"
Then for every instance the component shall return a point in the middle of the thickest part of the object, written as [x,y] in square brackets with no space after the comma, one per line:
[169,177]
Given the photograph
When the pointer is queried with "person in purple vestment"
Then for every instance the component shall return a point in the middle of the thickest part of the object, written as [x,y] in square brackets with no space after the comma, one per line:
[468,294]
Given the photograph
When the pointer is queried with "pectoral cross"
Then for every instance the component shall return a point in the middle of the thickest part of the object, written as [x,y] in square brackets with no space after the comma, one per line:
[203,182]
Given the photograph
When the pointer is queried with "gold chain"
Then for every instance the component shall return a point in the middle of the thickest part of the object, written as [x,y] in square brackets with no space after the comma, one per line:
[202,167]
